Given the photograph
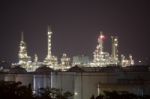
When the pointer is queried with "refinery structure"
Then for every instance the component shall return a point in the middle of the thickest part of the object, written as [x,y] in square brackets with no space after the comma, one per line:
[100,57]
[78,75]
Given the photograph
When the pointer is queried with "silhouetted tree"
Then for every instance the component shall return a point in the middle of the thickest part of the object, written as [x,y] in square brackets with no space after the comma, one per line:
[120,95]
[92,97]
[15,90]
[47,93]
[100,97]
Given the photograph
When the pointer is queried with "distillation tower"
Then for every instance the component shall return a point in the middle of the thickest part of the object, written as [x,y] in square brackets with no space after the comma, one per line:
[114,53]
[24,59]
[50,60]
[101,58]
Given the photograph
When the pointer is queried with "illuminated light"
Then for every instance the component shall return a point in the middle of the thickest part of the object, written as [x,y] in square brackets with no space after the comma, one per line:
[115,39]
[49,32]
[140,61]
[76,93]
[102,37]
[116,44]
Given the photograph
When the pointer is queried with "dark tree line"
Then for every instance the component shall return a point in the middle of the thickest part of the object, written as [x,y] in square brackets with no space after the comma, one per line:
[15,90]
[119,95]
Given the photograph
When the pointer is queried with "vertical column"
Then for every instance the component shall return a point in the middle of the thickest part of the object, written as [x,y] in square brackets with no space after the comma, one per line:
[100,41]
[114,47]
[49,41]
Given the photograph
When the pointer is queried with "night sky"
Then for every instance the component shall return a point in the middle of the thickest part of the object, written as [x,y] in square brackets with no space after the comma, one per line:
[75,25]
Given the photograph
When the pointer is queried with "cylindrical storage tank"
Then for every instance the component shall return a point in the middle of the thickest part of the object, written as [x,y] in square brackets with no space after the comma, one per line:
[42,78]
[63,80]
[10,77]
[26,79]
[13,73]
